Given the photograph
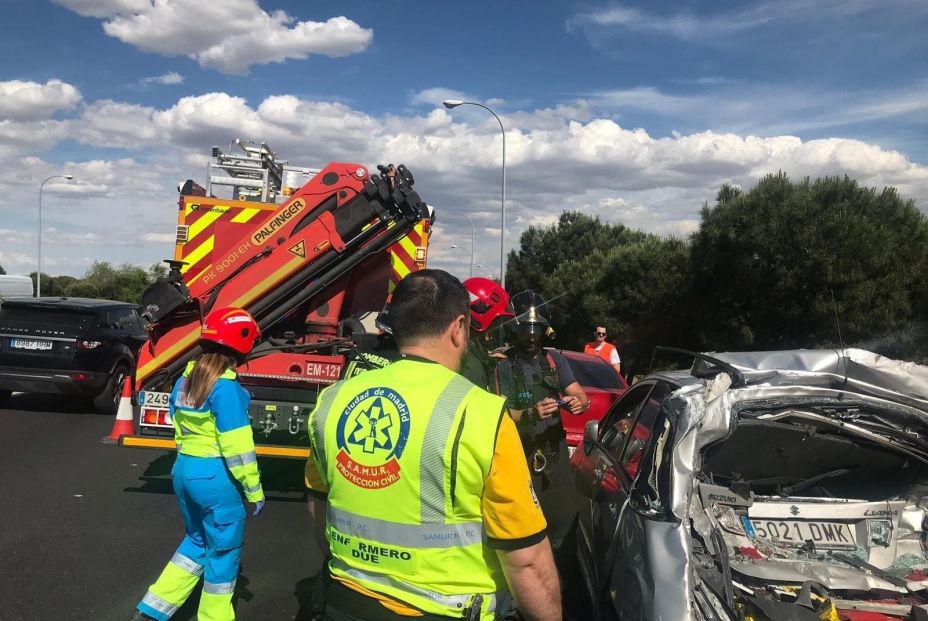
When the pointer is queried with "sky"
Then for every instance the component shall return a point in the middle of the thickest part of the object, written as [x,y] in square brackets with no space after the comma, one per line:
[635,112]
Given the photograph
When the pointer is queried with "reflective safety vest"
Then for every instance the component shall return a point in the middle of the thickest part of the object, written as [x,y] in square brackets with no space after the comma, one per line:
[605,352]
[196,434]
[405,451]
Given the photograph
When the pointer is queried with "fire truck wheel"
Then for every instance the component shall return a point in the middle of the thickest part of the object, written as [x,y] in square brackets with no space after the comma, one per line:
[5,396]
[108,400]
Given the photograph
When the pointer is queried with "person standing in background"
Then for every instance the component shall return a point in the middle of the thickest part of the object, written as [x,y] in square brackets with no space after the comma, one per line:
[606,351]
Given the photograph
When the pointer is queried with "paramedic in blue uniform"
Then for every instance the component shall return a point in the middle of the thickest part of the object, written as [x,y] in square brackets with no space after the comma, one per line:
[216,472]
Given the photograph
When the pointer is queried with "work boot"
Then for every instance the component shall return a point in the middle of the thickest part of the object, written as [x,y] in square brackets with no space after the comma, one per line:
[138,615]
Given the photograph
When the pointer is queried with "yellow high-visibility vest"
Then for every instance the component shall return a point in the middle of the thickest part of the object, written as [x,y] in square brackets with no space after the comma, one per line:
[196,434]
[405,451]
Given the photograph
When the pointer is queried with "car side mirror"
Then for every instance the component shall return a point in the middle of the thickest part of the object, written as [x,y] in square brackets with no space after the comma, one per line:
[590,436]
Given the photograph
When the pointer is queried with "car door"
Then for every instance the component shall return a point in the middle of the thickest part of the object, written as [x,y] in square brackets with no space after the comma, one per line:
[619,549]
[591,463]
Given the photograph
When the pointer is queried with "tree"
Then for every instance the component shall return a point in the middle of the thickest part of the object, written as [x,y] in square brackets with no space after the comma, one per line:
[634,283]
[774,266]
[542,250]
[102,281]
[2,271]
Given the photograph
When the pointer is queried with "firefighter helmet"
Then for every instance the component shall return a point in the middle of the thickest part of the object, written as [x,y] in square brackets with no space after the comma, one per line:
[488,301]
[232,328]
[528,306]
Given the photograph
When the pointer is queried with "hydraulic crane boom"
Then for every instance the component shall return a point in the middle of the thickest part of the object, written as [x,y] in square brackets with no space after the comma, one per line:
[326,229]
[305,269]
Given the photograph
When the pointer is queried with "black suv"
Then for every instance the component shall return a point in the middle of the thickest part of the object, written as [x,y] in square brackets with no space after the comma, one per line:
[69,346]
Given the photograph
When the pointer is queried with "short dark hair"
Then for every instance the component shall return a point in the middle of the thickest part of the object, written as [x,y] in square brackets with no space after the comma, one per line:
[425,303]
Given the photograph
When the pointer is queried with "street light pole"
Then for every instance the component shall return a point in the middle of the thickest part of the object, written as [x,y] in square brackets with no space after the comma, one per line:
[472,234]
[38,275]
[454,103]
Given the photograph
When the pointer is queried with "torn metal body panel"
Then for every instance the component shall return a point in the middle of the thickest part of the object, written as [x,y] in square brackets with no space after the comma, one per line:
[801,483]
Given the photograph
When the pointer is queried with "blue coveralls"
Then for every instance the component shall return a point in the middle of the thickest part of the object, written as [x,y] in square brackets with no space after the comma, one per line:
[215,470]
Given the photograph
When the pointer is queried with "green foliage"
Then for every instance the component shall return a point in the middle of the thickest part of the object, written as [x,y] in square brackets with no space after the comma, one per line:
[634,283]
[103,281]
[767,263]
[769,268]
[2,271]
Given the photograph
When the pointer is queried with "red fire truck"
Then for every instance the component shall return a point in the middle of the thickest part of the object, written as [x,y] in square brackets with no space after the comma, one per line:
[312,254]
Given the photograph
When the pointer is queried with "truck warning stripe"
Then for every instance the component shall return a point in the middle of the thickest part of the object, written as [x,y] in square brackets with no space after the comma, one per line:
[245,215]
[194,331]
[264,450]
[202,222]
[196,255]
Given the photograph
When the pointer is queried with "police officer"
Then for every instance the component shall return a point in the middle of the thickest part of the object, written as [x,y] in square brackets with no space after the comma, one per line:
[535,380]
[216,471]
[489,309]
[428,505]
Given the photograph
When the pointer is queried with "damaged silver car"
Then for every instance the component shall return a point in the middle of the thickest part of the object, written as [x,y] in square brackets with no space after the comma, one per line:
[785,485]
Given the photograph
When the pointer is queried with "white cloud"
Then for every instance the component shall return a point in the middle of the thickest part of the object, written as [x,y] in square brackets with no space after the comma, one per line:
[228,36]
[689,26]
[168,79]
[30,101]
[746,107]
[435,95]
[17,259]
[159,237]
[108,123]
[566,157]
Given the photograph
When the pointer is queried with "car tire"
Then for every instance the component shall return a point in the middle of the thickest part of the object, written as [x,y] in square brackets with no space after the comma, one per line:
[5,396]
[107,402]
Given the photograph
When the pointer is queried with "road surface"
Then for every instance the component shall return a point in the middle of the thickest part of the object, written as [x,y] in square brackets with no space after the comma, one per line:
[87,527]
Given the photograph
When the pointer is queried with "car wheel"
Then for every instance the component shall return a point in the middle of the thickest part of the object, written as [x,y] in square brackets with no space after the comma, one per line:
[107,402]
[5,396]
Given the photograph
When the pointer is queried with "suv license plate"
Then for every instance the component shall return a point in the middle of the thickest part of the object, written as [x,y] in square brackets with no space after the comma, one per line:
[798,532]
[30,344]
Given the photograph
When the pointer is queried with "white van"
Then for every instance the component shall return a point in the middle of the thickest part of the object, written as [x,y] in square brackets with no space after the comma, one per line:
[15,287]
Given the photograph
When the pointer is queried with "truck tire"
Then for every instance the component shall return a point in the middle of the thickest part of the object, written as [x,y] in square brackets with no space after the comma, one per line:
[107,402]
[5,396]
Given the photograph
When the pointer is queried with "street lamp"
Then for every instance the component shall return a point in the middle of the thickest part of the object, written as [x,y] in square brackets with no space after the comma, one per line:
[456,247]
[38,275]
[454,103]
[472,233]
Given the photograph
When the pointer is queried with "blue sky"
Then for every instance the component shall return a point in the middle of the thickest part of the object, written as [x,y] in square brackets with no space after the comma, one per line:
[635,112]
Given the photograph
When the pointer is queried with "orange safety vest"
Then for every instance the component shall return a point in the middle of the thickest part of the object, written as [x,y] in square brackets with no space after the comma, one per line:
[605,352]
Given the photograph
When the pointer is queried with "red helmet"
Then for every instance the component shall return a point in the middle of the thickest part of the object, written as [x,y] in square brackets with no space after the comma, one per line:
[233,328]
[487,302]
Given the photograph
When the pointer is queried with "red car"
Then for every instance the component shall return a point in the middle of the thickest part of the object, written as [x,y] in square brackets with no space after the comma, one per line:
[603,387]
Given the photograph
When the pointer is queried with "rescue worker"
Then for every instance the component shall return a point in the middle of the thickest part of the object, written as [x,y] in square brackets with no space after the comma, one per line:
[534,380]
[420,482]
[606,351]
[489,308]
[215,472]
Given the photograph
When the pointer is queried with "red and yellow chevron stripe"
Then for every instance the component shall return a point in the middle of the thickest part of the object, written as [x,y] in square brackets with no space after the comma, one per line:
[409,254]
[195,220]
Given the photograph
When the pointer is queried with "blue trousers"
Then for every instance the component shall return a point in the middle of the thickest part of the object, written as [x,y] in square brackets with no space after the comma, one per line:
[214,520]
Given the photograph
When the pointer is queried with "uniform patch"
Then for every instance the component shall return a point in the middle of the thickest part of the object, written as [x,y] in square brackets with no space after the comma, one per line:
[371,437]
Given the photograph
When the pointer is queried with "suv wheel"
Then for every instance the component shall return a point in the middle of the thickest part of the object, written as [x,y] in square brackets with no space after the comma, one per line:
[5,396]
[107,402]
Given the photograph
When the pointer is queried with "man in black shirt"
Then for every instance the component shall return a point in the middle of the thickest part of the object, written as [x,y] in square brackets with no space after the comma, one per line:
[539,385]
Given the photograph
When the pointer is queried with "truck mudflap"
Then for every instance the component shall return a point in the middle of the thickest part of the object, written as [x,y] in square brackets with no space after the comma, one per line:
[167,444]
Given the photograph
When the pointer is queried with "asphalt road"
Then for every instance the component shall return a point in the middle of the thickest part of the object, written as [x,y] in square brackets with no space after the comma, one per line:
[87,527]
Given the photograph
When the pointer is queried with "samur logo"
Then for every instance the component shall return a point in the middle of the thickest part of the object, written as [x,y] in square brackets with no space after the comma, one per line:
[371,436]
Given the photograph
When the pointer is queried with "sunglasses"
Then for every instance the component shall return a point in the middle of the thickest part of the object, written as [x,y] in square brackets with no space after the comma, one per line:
[600,334]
